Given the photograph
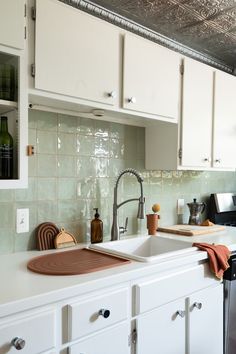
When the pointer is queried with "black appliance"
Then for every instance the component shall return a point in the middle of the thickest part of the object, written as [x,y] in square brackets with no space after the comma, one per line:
[222,210]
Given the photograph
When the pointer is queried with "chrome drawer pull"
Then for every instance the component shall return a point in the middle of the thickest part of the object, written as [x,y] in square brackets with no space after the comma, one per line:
[180,313]
[18,343]
[198,305]
[104,313]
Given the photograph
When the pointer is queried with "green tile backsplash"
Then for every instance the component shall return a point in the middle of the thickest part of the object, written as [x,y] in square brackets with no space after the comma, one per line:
[74,171]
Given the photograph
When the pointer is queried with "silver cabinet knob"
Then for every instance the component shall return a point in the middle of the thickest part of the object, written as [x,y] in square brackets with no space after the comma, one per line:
[18,343]
[132,100]
[104,313]
[207,159]
[198,305]
[180,313]
[112,94]
[218,160]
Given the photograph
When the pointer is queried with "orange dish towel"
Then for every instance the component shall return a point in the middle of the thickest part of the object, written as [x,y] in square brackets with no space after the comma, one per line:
[218,257]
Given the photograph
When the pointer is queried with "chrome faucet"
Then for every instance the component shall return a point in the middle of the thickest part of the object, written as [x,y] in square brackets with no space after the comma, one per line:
[116,230]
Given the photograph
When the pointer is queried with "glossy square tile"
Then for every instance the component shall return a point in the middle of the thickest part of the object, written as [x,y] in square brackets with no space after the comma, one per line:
[117,148]
[86,188]
[101,147]
[66,144]
[67,210]
[47,188]
[66,166]
[102,128]
[7,215]
[46,165]
[6,240]
[27,194]
[46,142]
[67,188]
[86,167]
[47,211]
[85,145]
[86,126]
[67,124]
[46,121]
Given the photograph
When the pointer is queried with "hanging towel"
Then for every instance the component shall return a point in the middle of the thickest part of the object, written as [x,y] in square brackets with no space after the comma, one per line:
[218,257]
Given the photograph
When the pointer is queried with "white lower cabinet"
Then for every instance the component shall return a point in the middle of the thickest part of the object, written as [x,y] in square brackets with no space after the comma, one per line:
[190,325]
[162,330]
[111,341]
[33,333]
[178,311]
[205,312]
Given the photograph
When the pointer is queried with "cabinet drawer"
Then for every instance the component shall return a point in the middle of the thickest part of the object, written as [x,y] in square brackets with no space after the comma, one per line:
[37,330]
[84,317]
[168,288]
[103,343]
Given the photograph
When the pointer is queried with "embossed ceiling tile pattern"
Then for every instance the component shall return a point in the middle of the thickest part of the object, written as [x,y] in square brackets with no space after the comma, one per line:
[207,26]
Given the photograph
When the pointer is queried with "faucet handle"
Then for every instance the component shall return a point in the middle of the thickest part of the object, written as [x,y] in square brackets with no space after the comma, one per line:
[124,229]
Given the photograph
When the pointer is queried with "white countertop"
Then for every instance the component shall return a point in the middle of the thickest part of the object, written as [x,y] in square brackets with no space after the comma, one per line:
[20,288]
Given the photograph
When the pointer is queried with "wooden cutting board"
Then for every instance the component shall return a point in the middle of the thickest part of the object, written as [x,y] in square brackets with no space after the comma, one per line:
[191,230]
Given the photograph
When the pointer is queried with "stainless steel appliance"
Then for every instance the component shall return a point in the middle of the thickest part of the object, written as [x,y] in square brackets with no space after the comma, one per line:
[222,210]
[195,209]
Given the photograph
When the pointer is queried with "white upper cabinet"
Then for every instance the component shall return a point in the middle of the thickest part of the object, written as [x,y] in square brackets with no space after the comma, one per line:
[196,125]
[206,136]
[224,121]
[151,78]
[76,54]
[12,23]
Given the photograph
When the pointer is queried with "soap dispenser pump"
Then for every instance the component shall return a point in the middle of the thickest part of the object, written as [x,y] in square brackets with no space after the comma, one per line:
[96,228]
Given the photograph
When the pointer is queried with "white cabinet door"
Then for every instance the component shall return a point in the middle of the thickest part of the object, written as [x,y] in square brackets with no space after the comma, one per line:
[224,121]
[151,78]
[76,54]
[196,127]
[162,330]
[206,321]
[112,341]
[12,23]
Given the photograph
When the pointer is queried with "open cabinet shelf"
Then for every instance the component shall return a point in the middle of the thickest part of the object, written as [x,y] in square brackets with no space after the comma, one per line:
[7,106]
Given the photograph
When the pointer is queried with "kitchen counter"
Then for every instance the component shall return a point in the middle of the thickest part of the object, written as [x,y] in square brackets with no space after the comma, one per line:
[21,288]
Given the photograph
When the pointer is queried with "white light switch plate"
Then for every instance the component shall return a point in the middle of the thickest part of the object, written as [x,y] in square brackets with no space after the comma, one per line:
[22,220]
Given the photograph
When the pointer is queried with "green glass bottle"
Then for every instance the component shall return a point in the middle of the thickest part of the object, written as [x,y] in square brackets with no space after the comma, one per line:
[6,151]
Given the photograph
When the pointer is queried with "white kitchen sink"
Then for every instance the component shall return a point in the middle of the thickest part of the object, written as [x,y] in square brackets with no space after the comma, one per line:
[145,248]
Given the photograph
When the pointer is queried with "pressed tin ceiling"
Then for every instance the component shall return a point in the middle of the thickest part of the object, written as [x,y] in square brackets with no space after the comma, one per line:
[206,26]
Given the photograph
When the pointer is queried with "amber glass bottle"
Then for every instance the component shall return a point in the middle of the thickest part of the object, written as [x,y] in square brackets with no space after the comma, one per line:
[6,151]
[96,228]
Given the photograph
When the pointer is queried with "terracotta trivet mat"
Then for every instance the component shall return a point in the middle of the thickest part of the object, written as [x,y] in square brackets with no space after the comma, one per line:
[46,233]
[74,262]
[191,230]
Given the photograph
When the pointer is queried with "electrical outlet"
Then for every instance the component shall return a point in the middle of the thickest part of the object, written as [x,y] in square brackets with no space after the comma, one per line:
[22,220]
[180,206]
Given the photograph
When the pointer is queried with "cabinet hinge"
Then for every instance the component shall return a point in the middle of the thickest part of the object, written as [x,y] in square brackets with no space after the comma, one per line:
[133,337]
[33,70]
[33,13]
[25,32]
[180,153]
[181,69]
[25,8]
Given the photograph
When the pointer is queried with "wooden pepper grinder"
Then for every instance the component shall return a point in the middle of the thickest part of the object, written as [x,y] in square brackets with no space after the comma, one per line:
[152,220]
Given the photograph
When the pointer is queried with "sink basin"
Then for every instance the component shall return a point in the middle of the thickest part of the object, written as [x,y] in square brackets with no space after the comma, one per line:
[145,248]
